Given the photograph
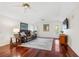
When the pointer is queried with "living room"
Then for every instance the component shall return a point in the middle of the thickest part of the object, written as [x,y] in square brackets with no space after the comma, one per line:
[35,26]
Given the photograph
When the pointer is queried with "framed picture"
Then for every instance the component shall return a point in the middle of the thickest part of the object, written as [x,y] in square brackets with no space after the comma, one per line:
[46,27]
[66,23]
[23,26]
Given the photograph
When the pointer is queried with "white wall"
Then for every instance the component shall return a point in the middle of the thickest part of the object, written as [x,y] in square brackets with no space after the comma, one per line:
[7,24]
[73,31]
[52,28]
[6,29]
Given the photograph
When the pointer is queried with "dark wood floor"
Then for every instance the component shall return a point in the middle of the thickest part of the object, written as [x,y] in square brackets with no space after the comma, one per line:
[18,51]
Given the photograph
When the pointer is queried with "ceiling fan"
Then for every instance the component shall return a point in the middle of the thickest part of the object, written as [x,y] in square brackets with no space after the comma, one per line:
[21,4]
[25,5]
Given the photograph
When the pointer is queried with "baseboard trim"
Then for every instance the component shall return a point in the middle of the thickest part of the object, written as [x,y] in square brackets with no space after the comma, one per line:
[71,53]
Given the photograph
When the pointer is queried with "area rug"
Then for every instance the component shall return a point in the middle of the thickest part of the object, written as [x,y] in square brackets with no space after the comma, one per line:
[39,43]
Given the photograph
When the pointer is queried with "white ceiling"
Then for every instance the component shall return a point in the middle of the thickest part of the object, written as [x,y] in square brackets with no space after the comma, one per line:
[38,10]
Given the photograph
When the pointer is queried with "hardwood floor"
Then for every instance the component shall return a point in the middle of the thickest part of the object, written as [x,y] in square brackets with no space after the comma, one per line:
[18,51]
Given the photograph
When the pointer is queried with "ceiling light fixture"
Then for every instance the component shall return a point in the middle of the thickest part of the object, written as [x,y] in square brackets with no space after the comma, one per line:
[25,5]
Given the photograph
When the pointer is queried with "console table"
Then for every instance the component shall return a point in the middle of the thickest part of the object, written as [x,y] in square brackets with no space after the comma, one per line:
[63,40]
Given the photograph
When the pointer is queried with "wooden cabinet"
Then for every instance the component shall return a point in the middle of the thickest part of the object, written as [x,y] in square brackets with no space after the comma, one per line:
[63,42]
[63,39]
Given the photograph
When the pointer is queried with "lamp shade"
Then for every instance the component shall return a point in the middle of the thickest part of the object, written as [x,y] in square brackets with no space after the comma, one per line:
[16,30]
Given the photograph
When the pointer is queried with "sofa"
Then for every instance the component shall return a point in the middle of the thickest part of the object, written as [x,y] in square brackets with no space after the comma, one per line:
[26,35]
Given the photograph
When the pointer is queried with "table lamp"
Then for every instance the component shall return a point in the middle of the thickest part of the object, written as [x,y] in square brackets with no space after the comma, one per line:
[16,30]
